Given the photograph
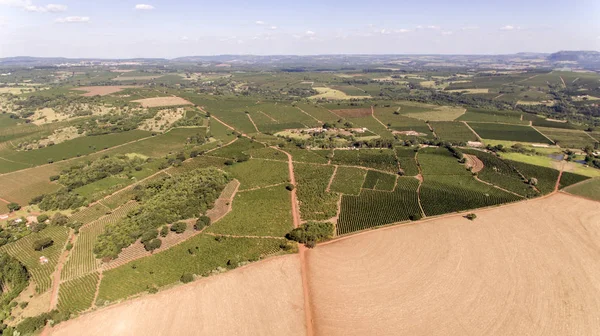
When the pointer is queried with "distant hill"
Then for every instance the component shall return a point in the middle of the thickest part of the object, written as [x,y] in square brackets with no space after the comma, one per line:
[583,58]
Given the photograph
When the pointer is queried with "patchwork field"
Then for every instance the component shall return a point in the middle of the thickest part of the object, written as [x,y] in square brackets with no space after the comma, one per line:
[91,91]
[501,274]
[508,132]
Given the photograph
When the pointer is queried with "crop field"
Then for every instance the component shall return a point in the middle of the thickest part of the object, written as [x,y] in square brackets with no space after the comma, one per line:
[353,113]
[500,173]
[567,179]
[508,117]
[82,259]
[91,91]
[452,131]
[199,255]
[348,180]
[315,202]
[267,153]
[318,112]
[508,132]
[372,125]
[405,124]
[568,138]
[379,181]
[439,161]
[373,208]
[22,249]
[447,275]
[23,185]
[406,158]
[302,155]
[116,200]
[546,176]
[233,116]
[238,149]
[442,194]
[381,159]
[77,295]
[261,212]
[89,214]
[428,112]
[282,114]
[259,173]
[589,189]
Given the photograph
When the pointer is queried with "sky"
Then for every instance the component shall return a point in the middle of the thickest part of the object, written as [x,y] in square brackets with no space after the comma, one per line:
[172,28]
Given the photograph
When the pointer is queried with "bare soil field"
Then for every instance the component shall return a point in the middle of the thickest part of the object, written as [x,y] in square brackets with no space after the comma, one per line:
[162,101]
[102,90]
[352,113]
[473,162]
[264,298]
[530,268]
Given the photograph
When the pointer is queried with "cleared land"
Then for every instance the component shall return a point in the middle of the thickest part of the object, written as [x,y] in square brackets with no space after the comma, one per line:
[525,269]
[262,299]
[162,101]
[328,93]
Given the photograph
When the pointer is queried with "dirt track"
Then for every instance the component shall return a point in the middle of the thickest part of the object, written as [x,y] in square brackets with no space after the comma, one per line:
[264,298]
[531,268]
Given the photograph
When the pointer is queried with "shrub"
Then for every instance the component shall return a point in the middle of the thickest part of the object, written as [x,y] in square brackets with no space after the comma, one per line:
[179,227]
[201,223]
[37,227]
[23,304]
[42,218]
[289,187]
[59,219]
[471,216]
[42,243]
[187,277]
[54,177]
[164,231]
[153,244]
[148,236]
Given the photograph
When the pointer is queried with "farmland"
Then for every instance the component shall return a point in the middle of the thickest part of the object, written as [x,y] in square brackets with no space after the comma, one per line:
[193,169]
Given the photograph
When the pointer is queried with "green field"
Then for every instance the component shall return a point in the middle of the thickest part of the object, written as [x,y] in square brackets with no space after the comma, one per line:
[348,180]
[315,202]
[568,138]
[199,255]
[373,208]
[406,159]
[379,181]
[381,159]
[589,189]
[259,173]
[508,132]
[452,131]
[262,212]
[77,295]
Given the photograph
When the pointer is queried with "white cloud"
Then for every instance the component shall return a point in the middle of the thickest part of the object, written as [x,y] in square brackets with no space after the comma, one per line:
[447,32]
[310,33]
[144,7]
[30,7]
[507,27]
[73,19]
[273,27]
[433,27]
[52,8]
[419,27]
[260,23]
[185,38]
[469,28]
[385,32]
[402,31]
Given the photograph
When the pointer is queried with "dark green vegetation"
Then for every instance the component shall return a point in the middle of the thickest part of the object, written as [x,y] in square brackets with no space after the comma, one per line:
[13,280]
[508,132]
[163,201]
[311,233]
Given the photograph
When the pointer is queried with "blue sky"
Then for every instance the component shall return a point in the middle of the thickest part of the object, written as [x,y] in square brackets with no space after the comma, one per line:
[124,29]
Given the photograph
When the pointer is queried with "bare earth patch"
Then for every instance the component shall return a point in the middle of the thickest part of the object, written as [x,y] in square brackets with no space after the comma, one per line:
[162,101]
[264,298]
[473,162]
[530,268]
[60,135]
[102,90]
[351,113]
[329,93]
[47,115]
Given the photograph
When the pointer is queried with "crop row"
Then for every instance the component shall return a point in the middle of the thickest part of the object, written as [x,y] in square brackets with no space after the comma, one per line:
[382,159]
[77,295]
[82,260]
[374,208]
[315,202]
[379,181]
[23,250]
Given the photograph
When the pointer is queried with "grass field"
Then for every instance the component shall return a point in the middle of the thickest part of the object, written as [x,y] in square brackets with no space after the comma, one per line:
[509,117]
[22,249]
[262,212]
[199,255]
[508,132]
[379,181]
[406,158]
[77,295]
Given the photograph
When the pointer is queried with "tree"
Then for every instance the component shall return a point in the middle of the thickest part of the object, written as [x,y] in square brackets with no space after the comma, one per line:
[311,233]
[42,243]
[533,181]
[179,227]
[164,231]
[13,207]
[471,216]
[201,223]
[42,218]
[59,219]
